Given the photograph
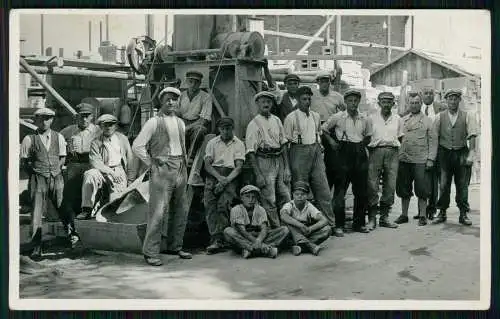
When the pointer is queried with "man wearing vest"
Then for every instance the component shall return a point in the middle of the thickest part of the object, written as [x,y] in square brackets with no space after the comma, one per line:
[383,160]
[78,136]
[303,131]
[431,109]
[454,128]
[268,155]
[161,146]
[327,102]
[42,156]
[111,160]
[224,157]
[416,158]
[348,133]
[195,108]
[289,100]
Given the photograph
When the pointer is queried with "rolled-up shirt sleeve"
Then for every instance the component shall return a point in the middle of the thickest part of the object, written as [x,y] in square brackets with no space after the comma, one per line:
[206,107]
[330,123]
[139,147]
[238,217]
[239,151]
[210,149]
[62,145]
[288,128]
[401,132]
[252,138]
[25,147]
[368,131]
[283,139]
[471,125]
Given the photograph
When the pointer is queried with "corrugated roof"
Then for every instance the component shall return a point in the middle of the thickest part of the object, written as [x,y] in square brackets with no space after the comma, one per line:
[466,67]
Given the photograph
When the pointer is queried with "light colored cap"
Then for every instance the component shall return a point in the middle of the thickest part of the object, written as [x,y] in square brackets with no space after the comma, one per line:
[249,189]
[266,94]
[45,111]
[169,89]
[453,92]
[107,118]
[323,74]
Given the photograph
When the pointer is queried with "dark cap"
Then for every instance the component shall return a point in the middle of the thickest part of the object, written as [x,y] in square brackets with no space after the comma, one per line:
[249,189]
[386,95]
[352,92]
[85,108]
[225,121]
[291,77]
[193,74]
[300,185]
[451,92]
[304,90]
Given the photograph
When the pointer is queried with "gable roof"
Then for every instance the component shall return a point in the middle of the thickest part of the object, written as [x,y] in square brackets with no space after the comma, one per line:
[465,67]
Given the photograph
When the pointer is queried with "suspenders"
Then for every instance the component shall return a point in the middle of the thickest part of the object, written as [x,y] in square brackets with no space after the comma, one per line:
[297,122]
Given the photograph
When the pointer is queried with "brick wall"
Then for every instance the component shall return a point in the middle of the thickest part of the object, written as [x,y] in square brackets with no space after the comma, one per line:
[354,28]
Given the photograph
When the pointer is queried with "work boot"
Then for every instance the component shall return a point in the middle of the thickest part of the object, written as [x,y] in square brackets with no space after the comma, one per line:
[36,252]
[182,254]
[416,217]
[273,252]
[245,254]
[441,217]
[153,261]
[384,219]
[360,229]
[422,221]
[338,232]
[296,250]
[401,220]
[215,247]
[85,214]
[430,214]
[464,219]
[313,249]
[372,218]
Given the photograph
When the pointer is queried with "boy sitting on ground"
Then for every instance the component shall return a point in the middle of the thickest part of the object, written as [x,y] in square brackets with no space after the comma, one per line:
[306,223]
[249,228]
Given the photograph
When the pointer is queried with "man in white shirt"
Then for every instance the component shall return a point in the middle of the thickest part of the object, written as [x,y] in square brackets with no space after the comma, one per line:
[161,146]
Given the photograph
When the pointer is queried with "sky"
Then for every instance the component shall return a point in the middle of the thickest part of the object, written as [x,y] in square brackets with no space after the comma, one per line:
[447,32]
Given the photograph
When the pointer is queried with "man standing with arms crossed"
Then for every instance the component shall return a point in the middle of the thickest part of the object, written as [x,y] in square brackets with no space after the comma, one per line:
[268,155]
[161,146]
[454,128]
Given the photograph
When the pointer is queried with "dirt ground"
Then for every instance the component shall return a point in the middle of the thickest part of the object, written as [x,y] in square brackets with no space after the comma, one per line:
[435,262]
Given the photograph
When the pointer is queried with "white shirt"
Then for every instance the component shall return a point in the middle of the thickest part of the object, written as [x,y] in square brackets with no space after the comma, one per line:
[308,127]
[386,132]
[114,150]
[46,140]
[173,133]
[430,111]
[453,118]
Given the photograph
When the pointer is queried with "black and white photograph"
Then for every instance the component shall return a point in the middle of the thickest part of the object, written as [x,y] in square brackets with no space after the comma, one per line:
[249,159]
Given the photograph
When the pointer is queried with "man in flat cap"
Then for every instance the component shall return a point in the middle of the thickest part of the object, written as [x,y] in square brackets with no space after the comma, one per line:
[249,230]
[303,131]
[78,137]
[161,147]
[42,157]
[416,158]
[266,147]
[307,225]
[224,157]
[289,100]
[195,108]
[383,160]
[454,128]
[431,109]
[111,160]
[326,102]
[348,133]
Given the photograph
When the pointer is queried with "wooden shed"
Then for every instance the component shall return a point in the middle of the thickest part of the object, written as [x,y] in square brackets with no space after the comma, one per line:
[422,65]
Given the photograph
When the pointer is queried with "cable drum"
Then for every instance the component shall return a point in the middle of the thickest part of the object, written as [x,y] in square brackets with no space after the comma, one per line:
[248,45]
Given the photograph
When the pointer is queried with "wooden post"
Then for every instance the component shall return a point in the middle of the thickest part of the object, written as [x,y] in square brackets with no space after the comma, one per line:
[90,36]
[100,33]
[150,26]
[338,34]
[389,50]
[327,34]
[107,27]
[277,37]
[234,26]
[41,35]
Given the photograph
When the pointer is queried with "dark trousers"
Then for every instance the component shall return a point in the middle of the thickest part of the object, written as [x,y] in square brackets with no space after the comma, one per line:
[452,163]
[330,162]
[352,169]
[218,206]
[434,175]
[73,182]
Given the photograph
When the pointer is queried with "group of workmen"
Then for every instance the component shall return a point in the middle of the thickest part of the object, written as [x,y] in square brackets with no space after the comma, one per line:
[300,145]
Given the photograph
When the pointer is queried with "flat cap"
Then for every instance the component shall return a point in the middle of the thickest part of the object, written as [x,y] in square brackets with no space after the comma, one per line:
[266,94]
[45,111]
[453,92]
[169,89]
[323,75]
[386,95]
[301,185]
[352,92]
[193,74]
[107,118]
[85,108]
[248,189]
[291,77]
[304,90]
[225,121]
